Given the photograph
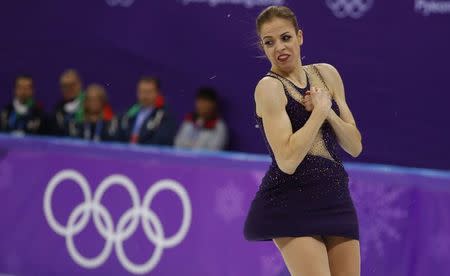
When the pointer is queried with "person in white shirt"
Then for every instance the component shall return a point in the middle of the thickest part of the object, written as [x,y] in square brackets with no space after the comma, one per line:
[204,128]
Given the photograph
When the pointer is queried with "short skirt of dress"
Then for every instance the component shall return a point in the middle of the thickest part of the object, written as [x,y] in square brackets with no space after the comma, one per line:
[315,200]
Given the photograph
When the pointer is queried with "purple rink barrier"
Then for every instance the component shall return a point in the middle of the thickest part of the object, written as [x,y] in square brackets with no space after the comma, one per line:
[77,208]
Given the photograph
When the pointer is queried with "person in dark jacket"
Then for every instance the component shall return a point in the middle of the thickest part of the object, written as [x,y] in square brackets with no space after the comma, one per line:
[23,115]
[70,108]
[148,121]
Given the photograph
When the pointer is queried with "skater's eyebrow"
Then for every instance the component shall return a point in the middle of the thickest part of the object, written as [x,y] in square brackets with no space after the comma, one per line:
[268,36]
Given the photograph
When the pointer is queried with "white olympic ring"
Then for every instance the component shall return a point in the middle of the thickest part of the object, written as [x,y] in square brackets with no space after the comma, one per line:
[349,8]
[123,3]
[127,224]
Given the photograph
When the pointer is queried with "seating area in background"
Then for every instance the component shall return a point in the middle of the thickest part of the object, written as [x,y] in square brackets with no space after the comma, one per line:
[85,113]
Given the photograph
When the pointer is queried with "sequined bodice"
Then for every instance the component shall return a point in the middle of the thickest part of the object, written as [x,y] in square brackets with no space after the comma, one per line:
[325,144]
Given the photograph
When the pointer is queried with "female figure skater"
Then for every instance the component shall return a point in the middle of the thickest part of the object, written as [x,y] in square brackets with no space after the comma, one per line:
[303,203]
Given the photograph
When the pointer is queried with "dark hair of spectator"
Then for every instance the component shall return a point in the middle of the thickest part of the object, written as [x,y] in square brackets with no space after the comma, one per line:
[153,79]
[23,76]
[207,93]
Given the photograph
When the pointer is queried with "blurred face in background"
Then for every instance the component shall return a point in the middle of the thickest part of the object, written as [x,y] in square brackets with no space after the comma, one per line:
[95,99]
[205,108]
[70,84]
[24,89]
[147,92]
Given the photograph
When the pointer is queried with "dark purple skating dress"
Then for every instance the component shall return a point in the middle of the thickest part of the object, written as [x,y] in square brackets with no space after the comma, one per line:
[315,200]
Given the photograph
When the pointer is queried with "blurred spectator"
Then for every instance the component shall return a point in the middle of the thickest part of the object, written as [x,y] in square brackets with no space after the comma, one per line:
[148,121]
[23,115]
[71,106]
[203,128]
[97,122]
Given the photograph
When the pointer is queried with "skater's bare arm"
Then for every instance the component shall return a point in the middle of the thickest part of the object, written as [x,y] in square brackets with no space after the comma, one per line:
[289,147]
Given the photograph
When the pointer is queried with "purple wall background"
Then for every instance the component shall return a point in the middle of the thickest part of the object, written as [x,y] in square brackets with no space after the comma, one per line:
[393,61]
[403,213]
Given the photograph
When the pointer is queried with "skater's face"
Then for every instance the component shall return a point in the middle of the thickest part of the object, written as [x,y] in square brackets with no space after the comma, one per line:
[281,43]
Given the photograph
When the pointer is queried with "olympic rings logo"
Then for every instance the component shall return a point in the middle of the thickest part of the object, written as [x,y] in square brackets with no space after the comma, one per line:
[127,224]
[349,8]
[123,3]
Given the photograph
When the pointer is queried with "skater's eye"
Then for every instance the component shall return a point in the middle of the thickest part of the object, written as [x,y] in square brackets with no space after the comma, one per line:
[286,37]
[268,42]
